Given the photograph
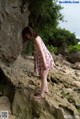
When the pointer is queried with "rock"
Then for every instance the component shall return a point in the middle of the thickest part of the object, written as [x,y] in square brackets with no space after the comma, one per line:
[25,106]
[59,102]
[11,116]
[77,73]
[4,104]
[13,18]
[76,83]
[74,57]
[5,107]
[76,65]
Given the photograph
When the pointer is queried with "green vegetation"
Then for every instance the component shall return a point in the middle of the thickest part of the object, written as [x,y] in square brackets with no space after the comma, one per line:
[62,39]
[44,18]
[28,48]
[74,48]
[52,49]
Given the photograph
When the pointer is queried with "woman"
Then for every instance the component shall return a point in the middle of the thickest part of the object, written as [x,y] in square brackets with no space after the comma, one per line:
[43,60]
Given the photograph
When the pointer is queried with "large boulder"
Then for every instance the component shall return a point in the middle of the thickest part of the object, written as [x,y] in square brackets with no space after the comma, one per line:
[74,57]
[13,18]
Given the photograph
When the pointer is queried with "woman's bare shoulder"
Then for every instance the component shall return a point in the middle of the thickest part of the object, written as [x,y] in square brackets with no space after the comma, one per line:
[38,39]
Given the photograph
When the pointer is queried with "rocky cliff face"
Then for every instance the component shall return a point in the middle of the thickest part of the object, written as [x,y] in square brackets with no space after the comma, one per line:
[13,18]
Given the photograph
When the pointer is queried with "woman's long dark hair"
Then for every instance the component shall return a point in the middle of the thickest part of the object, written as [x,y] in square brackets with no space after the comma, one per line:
[28,30]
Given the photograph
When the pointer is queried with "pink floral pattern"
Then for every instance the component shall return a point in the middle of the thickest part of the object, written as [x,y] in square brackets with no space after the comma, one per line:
[38,58]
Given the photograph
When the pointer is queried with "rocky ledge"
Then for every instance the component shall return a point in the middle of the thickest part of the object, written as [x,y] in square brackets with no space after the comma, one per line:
[18,85]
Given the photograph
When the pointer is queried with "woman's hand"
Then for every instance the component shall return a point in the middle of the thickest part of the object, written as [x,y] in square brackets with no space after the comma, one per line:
[45,66]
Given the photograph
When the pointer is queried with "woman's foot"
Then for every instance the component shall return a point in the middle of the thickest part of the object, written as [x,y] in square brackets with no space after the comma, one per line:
[46,91]
[38,97]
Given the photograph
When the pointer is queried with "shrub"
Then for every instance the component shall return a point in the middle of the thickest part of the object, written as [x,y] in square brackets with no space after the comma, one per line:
[28,50]
[52,49]
[74,48]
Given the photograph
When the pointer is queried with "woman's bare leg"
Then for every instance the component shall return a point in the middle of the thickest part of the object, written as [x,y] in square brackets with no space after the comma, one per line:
[44,84]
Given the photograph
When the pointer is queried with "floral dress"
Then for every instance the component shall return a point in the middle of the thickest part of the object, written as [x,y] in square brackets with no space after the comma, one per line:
[38,58]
